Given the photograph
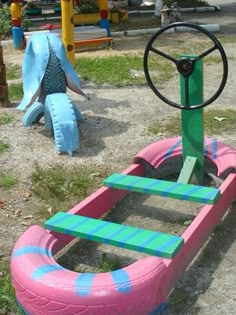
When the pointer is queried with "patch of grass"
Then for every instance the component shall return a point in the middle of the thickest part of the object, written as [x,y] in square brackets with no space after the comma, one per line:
[7,295]
[120,70]
[108,264]
[15,91]
[13,71]
[215,122]
[5,119]
[227,39]
[3,146]
[62,187]
[7,181]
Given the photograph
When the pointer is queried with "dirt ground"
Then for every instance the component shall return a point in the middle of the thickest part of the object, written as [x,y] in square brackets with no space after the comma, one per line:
[114,130]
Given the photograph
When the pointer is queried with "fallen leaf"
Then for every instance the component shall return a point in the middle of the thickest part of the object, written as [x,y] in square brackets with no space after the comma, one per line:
[17,212]
[219,118]
[49,210]
[24,223]
[2,205]
[28,194]
[28,217]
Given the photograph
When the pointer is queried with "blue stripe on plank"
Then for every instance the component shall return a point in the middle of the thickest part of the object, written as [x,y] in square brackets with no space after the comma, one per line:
[133,181]
[167,244]
[190,191]
[121,281]
[25,250]
[129,236]
[41,271]
[116,178]
[74,225]
[169,189]
[83,283]
[116,232]
[171,149]
[208,196]
[150,239]
[95,229]
[153,183]
[57,219]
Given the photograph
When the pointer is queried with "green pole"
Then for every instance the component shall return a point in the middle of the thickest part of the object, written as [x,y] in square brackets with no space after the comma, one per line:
[192,120]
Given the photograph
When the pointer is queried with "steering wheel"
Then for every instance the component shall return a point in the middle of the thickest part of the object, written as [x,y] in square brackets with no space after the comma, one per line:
[185,65]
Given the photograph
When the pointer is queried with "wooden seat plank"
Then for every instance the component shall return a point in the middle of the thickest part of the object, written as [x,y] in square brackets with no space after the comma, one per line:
[141,240]
[202,194]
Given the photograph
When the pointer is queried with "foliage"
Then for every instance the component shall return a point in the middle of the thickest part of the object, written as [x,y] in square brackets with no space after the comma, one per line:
[3,146]
[121,70]
[7,181]
[5,119]
[86,6]
[16,91]
[32,5]
[108,264]
[6,24]
[63,186]
[215,122]
[14,71]
[7,295]
[5,21]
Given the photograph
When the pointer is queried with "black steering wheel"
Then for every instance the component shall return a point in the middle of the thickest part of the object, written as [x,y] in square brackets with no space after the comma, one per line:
[185,65]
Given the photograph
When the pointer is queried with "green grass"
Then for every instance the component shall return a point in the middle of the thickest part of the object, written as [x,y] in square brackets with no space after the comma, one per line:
[108,264]
[121,70]
[15,91]
[13,71]
[5,119]
[215,123]
[7,296]
[62,187]
[7,181]
[3,146]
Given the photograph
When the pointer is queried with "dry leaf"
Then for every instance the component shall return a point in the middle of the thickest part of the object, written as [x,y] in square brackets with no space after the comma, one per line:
[17,212]
[2,205]
[49,210]
[28,217]
[219,118]
[24,223]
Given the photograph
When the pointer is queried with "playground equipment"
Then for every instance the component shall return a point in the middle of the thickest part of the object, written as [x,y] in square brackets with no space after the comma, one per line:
[42,286]
[45,90]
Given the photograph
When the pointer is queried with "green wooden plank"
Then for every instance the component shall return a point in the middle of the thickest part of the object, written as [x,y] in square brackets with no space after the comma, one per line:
[208,195]
[187,170]
[141,240]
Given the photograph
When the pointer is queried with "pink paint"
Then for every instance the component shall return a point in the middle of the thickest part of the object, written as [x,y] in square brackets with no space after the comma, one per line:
[224,156]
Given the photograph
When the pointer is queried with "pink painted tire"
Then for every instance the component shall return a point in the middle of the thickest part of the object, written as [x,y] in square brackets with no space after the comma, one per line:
[44,287]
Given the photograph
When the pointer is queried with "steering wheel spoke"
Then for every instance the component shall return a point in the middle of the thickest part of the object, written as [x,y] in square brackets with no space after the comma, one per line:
[185,65]
[207,52]
[161,53]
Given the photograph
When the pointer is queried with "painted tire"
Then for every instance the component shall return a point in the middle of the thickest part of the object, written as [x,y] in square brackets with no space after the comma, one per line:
[44,287]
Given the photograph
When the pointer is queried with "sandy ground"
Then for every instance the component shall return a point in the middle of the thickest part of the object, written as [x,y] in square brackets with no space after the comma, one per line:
[115,129]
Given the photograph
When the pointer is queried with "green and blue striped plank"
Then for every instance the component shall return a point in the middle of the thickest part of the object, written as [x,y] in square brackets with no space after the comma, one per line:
[141,240]
[208,195]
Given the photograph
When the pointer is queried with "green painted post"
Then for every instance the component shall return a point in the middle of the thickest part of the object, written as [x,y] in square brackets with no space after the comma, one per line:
[192,120]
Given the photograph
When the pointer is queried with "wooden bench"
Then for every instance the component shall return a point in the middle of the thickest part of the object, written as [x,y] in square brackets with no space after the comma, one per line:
[93,41]
[141,240]
[208,195]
